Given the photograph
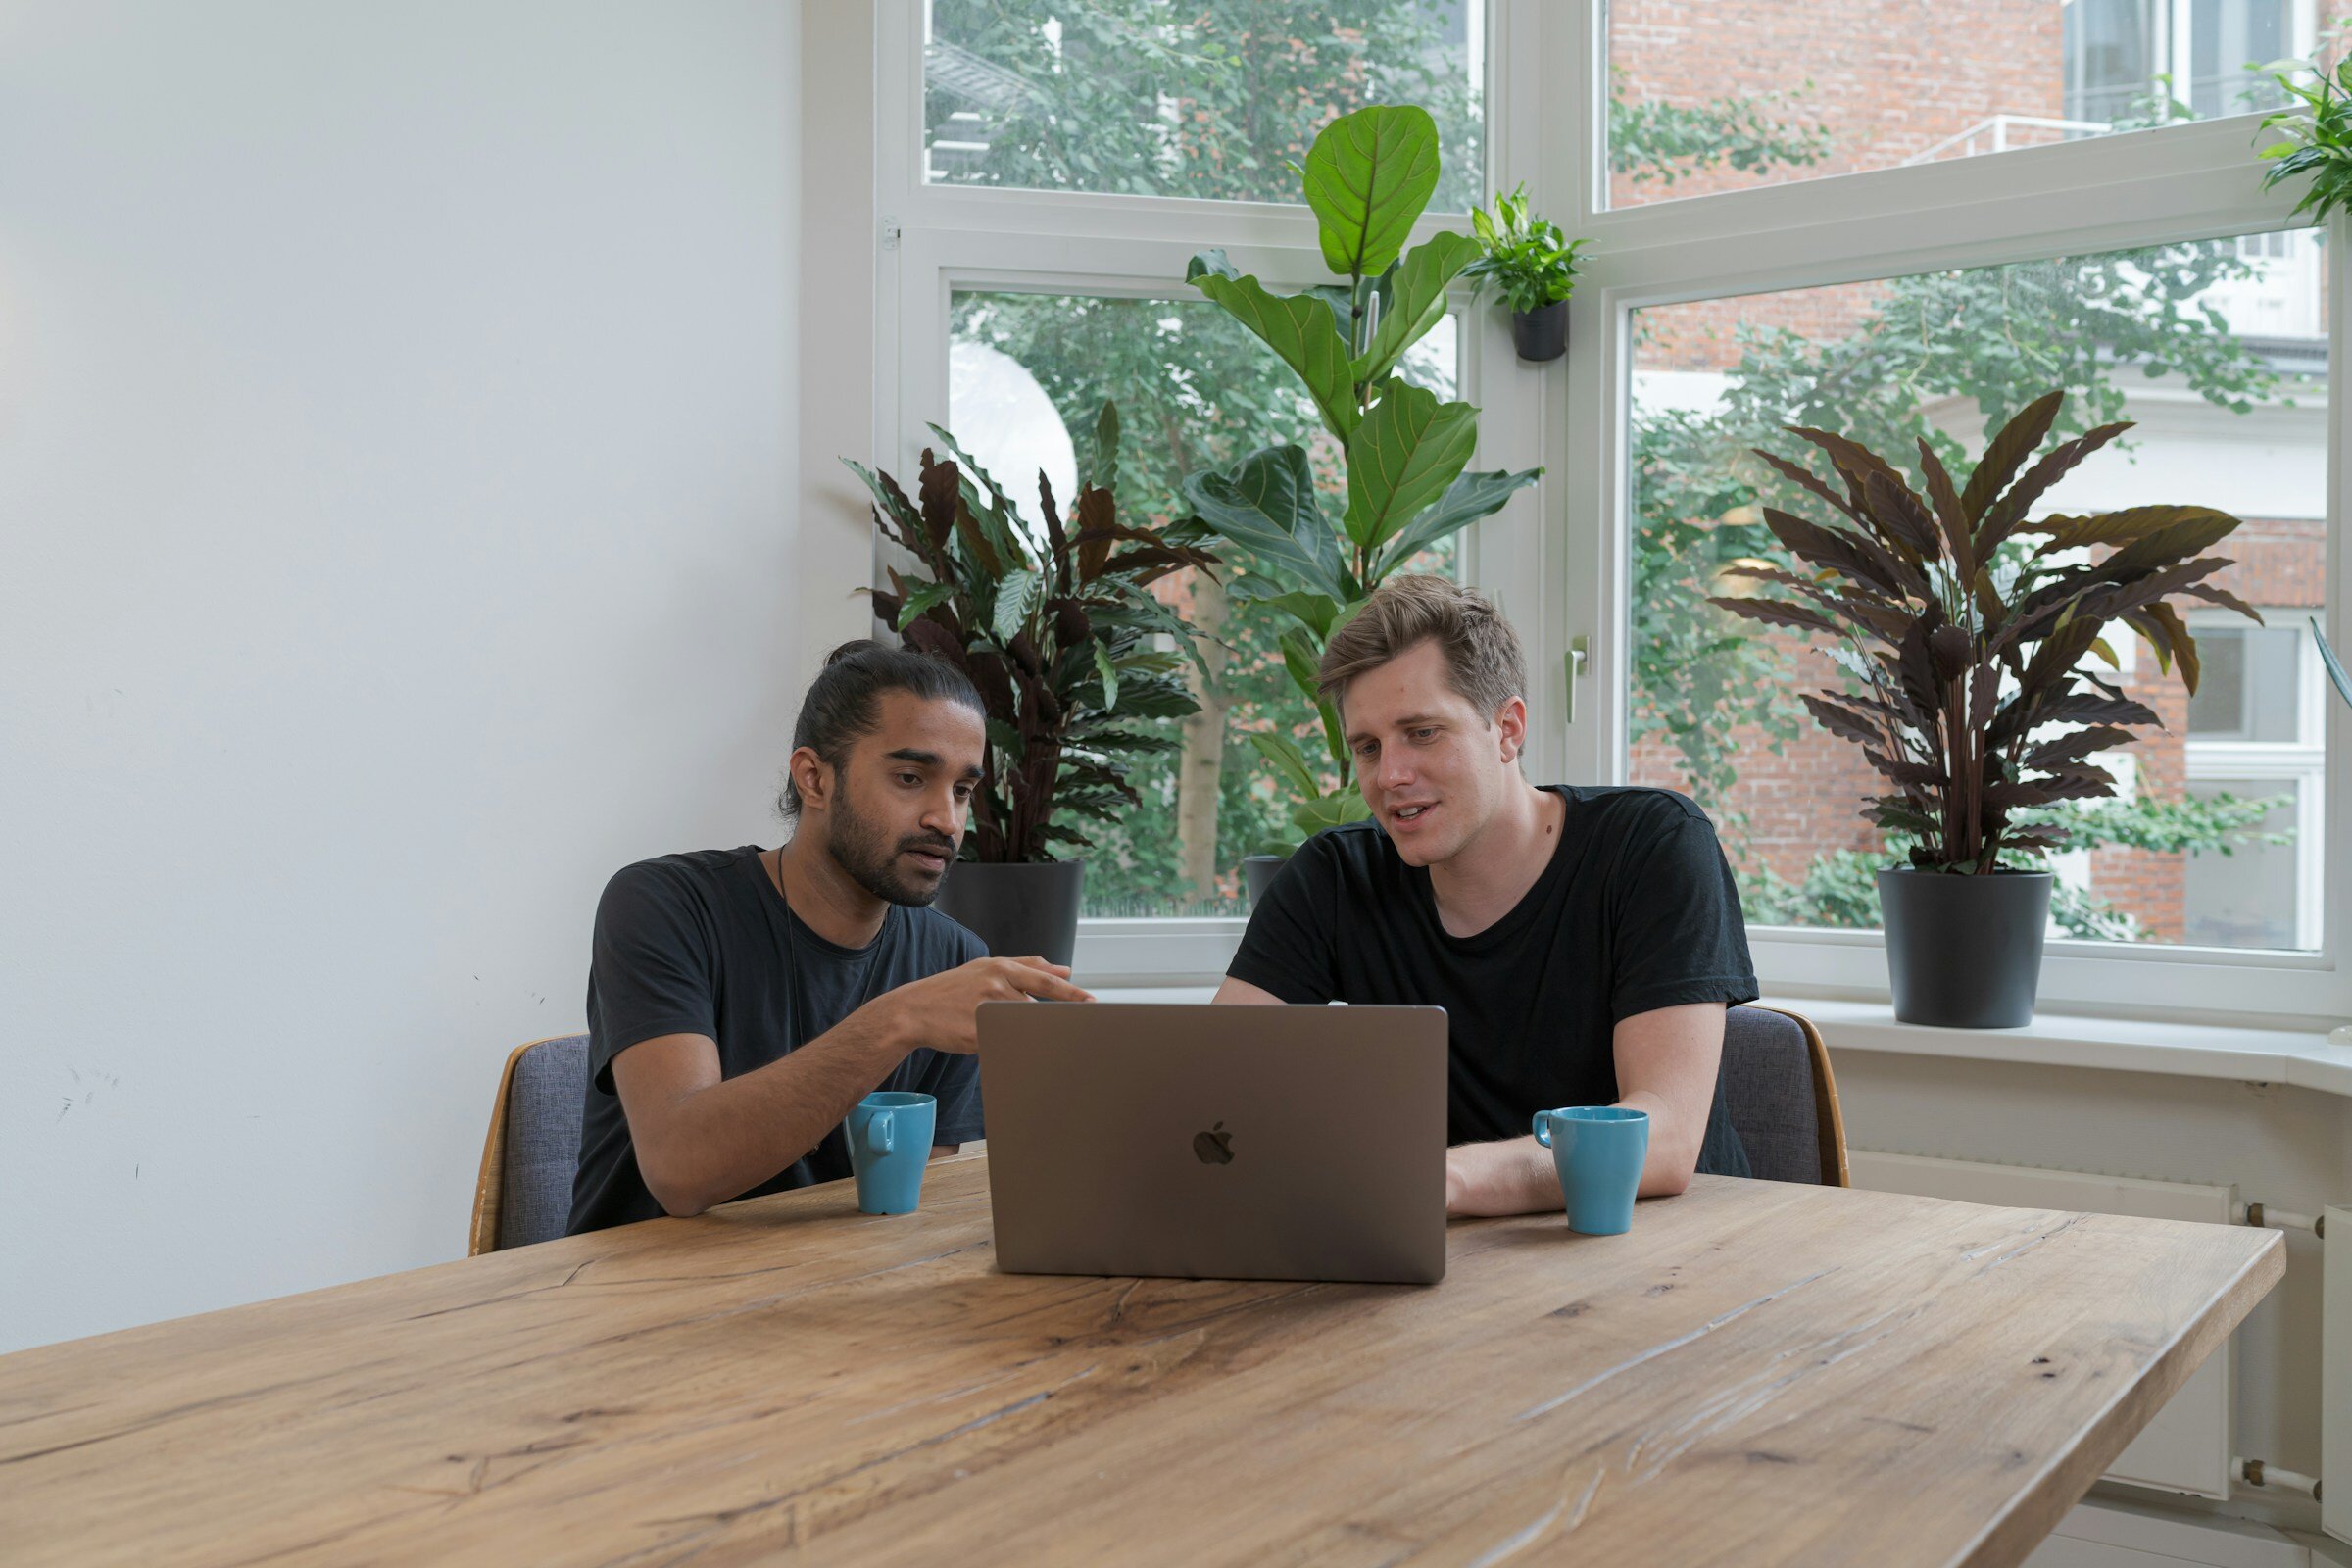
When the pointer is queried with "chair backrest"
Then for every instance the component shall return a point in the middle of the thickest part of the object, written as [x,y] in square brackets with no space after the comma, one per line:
[523,1194]
[1781,1099]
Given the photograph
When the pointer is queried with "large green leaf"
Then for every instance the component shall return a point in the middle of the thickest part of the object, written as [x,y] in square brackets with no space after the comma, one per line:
[1266,504]
[1111,677]
[1368,176]
[1102,471]
[1299,328]
[1016,595]
[1315,612]
[1287,760]
[1299,656]
[1336,809]
[1415,303]
[921,597]
[1469,498]
[1409,448]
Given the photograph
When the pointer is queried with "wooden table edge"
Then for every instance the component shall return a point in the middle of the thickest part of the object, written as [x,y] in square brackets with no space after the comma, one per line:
[2010,1537]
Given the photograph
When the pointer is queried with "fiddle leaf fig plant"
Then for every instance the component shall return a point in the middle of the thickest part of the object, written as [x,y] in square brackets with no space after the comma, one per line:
[1055,627]
[1967,630]
[1406,452]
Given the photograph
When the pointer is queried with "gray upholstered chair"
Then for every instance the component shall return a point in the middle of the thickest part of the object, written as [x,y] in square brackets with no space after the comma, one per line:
[523,1194]
[1779,1096]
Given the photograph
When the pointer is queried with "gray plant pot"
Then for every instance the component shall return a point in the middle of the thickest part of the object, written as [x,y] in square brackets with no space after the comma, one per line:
[1964,952]
[1257,874]
[1543,334]
[1022,911]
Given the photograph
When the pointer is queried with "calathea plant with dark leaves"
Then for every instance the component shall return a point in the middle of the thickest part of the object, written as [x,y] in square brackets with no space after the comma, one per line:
[1055,625]
[1967,630]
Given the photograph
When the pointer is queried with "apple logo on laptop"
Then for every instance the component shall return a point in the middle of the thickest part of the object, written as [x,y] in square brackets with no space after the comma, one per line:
[1214,1147]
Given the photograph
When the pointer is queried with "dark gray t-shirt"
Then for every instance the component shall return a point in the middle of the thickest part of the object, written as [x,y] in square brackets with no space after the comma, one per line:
[702,944]
[1635,910]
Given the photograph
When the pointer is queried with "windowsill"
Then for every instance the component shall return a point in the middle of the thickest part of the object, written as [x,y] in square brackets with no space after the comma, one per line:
[2119,1045]
[2116,1044]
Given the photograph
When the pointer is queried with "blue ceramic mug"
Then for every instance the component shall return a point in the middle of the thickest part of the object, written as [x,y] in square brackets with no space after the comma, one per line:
[1599,1150]
[890,1145]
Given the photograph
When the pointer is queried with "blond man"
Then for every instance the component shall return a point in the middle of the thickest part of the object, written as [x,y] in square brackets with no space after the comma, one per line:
[1584,941]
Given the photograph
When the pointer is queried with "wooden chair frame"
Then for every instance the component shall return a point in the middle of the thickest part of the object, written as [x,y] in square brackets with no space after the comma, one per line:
[1826,1111]
[490,1184]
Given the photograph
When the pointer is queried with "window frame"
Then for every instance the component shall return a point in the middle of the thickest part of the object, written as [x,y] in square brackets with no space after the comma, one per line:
[939,239]
[1558,557]
[2193,181]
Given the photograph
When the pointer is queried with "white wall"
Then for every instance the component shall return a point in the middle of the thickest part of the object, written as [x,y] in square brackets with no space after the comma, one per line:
[398,475]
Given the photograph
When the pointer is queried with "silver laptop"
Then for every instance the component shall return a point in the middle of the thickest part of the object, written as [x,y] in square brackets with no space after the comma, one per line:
[1216,1143]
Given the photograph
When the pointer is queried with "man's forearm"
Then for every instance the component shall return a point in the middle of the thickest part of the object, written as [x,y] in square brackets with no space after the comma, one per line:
[728,1137]
[1518,1177]
[1673,1144]
[1512,1177]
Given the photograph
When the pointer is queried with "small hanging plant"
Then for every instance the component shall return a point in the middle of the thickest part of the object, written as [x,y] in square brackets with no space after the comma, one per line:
[2317,128]
[1532,264]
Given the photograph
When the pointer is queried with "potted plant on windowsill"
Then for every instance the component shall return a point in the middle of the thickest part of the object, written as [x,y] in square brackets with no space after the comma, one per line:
[1055,627]
[1969,693]
[1406,453]
[1533,265]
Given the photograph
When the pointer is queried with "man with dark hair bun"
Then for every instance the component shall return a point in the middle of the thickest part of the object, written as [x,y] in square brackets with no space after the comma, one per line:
[741,1002]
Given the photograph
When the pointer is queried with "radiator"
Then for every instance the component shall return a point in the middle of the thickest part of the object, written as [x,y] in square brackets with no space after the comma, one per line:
[2186,1447]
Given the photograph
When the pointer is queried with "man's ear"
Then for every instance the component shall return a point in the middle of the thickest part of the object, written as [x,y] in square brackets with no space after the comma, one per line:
[810,776]
[1510,719]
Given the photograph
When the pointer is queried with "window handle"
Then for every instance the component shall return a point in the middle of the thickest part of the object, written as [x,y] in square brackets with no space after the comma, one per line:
[1579,656]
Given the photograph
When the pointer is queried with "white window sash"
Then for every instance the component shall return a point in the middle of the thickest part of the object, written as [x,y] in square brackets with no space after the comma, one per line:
[1558,556]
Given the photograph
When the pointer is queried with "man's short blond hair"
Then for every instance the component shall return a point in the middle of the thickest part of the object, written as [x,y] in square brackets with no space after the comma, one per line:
[1482,653]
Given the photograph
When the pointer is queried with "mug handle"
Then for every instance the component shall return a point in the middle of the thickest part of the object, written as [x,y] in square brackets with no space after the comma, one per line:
[1543,1128]
[878,1134]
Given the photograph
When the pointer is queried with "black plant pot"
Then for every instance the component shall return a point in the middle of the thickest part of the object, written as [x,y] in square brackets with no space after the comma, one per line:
[1964,952]
[1541,334]
[1021,911]
[1257,871]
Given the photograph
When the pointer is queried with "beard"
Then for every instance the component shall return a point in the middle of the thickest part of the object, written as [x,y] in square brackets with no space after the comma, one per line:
[868,853]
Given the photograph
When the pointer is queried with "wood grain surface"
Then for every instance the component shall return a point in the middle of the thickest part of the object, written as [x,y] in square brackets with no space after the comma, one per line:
[1758,1373]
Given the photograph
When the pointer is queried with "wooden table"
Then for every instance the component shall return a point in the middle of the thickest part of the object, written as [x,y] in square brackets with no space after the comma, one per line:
[1757,1374]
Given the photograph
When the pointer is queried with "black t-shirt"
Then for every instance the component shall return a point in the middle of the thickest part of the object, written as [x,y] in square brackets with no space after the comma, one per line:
[1637,910]
[702,944]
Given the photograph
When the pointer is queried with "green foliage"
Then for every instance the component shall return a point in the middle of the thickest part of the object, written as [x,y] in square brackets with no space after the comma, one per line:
[1217,98]
[1528,258]
[1964,660]
[1658,143]
[1840,889]
[2316,128]
[1368,176]
[1054,625]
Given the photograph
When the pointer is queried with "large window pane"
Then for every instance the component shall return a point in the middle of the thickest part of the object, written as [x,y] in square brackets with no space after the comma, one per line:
[1707,98]
[2215,840]
[1028,374]
[1211,98]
